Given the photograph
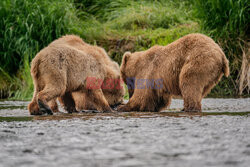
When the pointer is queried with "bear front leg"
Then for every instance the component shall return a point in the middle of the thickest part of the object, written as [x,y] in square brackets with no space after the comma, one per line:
[98,99]
[165,104]
[132,105]
[81,101]
[123,108]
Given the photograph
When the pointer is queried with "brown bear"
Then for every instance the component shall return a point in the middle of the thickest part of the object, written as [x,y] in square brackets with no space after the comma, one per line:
[60,71]
[114,96]
[189,67]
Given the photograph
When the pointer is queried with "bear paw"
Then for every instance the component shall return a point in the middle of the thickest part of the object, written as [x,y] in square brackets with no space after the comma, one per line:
[44,108]
[123,108]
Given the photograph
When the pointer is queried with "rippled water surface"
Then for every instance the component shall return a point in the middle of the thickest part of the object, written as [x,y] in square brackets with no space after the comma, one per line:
[218,137]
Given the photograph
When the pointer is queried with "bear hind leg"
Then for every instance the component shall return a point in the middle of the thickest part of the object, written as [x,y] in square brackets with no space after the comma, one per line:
[211,84]
[33,106]
[50,92]
[192,96]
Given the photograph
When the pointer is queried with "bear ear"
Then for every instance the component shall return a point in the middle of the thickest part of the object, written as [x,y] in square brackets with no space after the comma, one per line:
[126,57]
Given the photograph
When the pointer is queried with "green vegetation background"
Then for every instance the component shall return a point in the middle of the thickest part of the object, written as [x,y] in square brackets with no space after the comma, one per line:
[27,26]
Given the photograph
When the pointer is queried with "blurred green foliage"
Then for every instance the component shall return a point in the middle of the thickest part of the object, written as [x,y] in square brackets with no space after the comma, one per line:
[118,25]
[26,27]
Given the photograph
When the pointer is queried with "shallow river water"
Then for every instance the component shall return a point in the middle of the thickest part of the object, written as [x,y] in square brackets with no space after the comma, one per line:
[220,136]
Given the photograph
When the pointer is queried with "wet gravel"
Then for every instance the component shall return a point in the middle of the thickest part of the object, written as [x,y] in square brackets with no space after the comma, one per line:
[215,140]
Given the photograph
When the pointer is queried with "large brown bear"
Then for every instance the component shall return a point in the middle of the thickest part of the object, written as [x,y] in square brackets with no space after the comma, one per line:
[61,70]
[189,67]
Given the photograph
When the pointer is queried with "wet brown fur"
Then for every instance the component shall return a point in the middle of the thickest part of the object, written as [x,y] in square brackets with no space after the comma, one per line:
[60,71]
[190,67]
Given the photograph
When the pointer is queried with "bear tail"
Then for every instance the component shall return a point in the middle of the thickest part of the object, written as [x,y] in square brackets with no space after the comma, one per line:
[225,67]
[34,68]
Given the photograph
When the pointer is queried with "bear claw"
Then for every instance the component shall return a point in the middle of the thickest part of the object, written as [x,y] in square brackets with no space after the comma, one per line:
[44,108]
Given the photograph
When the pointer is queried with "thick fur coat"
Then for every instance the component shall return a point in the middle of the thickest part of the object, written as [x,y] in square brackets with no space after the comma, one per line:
[189,67]
[60,71]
